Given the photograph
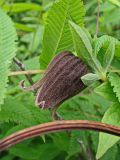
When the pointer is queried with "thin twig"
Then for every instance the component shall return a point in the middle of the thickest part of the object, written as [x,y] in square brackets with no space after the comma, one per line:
[22,67]
[51,127]
[97,19]
[27,72]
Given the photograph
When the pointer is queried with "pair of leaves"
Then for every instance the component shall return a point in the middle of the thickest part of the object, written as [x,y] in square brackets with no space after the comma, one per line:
[7,50]
[84,50]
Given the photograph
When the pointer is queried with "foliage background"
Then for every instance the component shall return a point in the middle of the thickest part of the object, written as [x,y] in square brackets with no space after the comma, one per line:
[19,111]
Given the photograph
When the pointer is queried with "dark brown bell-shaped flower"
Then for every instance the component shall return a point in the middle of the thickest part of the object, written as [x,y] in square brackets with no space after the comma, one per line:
[61,81]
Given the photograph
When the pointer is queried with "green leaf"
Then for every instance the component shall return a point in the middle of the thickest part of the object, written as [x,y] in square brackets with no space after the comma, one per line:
[21,7]
[103,42]
[36,151]
[105,90]
[21,111]
[48,151]
[74,146]
[89,78]
[116,2]
[57,35]
[61,141]
[21,151]
[7,50]
[106,141]
[83,46]
[109,55]
[115,83]
[86,48]
[24,27]
[2,2]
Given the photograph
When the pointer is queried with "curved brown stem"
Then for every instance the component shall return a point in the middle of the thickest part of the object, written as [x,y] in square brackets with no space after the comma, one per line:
[57,126]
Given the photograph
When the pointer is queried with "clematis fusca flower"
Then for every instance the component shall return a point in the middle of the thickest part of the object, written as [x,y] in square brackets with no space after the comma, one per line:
[61,81]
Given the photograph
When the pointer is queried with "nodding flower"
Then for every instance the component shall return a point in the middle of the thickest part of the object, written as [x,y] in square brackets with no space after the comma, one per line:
[61,81]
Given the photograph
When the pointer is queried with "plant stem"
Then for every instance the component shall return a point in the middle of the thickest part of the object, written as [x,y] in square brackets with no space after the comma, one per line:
[51,127]
[22,67]
[27,72]
[97,19]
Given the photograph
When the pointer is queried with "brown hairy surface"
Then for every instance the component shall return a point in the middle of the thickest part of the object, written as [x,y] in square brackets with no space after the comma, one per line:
[61,80]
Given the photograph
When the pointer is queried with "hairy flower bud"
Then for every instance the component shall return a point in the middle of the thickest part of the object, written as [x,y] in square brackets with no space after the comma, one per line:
[62,80]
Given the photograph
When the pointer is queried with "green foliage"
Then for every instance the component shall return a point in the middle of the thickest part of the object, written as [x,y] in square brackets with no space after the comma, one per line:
[112,116]
[26,114]
[7,50]
[109,19]
[115,81]
[109,55]
[57,35]
[116,2]
[84,49]
[105,90]
[38,152]
[62,22]
[22,7]
[103,42]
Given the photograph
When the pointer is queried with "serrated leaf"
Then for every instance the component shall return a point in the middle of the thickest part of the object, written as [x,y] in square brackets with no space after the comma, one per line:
[115,83]
[105,90]
[89,78]
[83,46]
[103,43]
[7,50]
[109,55]
[57,36]
[20,111]
[106,141]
